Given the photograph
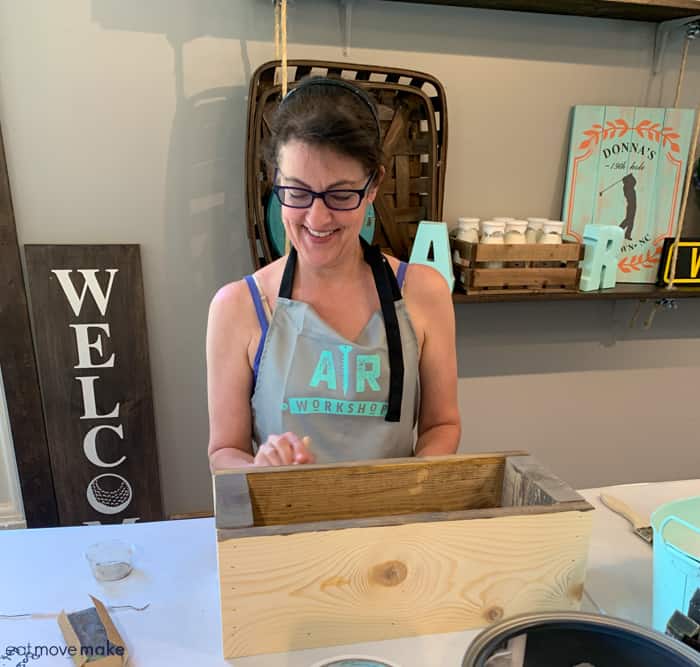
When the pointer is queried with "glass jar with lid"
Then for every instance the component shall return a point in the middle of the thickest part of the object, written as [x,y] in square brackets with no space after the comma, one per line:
[533,233]
[552,232]
[493,232]
[515,231]
[468,230]
[515,235]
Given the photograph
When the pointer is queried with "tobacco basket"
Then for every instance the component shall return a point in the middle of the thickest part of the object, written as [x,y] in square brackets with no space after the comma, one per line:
[413,117]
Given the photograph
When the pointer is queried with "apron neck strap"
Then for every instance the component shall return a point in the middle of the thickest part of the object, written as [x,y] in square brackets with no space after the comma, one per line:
[389,292]
[288,275]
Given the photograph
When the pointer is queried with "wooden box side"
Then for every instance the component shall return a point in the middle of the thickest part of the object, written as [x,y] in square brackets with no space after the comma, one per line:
[371,583]
[568,251]
[261,497]
[526,482]
[530,278]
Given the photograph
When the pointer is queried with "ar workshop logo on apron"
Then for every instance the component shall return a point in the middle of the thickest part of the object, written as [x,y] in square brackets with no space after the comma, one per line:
[367,371]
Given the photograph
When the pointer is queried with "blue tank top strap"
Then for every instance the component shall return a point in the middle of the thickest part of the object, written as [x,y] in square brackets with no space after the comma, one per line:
[262,318]
[401,274]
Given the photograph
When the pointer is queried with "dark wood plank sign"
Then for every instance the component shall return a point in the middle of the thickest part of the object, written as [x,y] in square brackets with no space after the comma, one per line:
[92,349]
[19,373]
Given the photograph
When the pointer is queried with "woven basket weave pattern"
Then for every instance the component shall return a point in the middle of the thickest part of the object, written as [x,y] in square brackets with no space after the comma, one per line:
[413,117]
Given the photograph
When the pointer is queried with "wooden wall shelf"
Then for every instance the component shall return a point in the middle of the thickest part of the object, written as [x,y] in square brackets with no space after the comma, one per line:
[637,10]
[623,291]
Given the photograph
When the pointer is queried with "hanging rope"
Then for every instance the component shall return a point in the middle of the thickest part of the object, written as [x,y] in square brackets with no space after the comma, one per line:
[280,32]
[280,38]
[692,33]
[686,192]
[277,29]
[681,73]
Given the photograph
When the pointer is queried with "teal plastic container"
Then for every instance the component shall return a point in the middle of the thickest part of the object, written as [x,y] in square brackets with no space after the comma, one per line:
[676,558]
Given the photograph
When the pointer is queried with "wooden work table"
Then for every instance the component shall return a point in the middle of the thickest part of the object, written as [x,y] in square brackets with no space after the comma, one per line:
[44,570]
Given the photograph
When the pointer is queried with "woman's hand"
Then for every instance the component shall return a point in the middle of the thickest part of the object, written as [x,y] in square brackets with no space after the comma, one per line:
[283,450]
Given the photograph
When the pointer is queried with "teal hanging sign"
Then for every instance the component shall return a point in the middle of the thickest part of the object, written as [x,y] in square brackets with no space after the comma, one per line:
[627,167]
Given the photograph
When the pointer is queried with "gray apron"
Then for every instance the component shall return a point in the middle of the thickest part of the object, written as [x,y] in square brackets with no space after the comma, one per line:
[358,399]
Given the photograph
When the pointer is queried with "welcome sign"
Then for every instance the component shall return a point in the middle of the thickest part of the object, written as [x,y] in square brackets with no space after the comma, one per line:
[627,167]
[90,332]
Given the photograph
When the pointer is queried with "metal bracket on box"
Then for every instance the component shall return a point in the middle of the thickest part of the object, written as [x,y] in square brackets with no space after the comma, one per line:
[665,28]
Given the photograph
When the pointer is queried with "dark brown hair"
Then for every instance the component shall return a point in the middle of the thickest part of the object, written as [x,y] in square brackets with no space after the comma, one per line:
[330,113]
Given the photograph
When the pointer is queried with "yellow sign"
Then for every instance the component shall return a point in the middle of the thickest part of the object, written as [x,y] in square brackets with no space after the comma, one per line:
[687,264]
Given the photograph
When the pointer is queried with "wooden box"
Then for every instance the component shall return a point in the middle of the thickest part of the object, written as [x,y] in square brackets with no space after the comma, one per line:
[526,268]
[323,555]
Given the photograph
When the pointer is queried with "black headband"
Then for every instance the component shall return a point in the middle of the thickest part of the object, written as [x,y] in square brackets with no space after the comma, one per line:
[338,83]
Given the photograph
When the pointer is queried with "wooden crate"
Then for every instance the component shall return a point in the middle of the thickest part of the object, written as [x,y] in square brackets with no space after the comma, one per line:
[527,268]
[323,555]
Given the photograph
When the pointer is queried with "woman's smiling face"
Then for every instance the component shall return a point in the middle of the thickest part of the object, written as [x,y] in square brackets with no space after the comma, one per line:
[323,237]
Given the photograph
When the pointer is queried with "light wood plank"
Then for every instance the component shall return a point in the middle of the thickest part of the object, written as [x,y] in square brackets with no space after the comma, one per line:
[304,494]
[488,513]
[307,590]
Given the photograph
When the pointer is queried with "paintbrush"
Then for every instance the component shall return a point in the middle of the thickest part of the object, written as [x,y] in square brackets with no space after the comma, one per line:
[640,527]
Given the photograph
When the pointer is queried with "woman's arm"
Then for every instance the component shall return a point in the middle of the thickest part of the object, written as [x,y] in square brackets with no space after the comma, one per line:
[430,302]
[232,333]
[229,377]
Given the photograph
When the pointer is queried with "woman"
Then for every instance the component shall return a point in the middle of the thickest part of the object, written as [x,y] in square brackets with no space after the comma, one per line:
[317,357]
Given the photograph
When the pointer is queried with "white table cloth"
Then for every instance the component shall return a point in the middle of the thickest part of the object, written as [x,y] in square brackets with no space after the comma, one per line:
[45,570]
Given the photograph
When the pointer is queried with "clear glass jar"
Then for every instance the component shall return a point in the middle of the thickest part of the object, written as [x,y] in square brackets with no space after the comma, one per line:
[493,232]
[552,232]
[515,235]
[533,233]
[468,230]
[515,231]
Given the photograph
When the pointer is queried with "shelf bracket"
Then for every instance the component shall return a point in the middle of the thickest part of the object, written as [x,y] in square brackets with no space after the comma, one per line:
[665,28]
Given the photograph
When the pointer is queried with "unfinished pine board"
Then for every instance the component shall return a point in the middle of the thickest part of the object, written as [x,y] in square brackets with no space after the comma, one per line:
[306,590]
[305,494]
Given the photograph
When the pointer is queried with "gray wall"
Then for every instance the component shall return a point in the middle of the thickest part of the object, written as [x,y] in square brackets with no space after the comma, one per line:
[125,122]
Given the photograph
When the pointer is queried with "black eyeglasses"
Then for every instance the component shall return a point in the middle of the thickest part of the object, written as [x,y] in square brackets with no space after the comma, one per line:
[337,200]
